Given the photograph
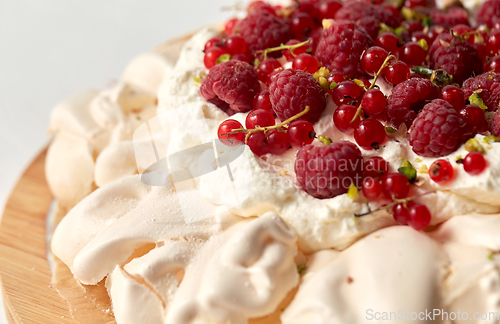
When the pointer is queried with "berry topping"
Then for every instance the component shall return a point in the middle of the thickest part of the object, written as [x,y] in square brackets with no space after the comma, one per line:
[419,217]
[487,87]
[305,62]
[212,55]
[261,30]
[346,92]
[297,51]
[233,82]
[441,171]
[341,46]
[329,170]
[456,56]
[400,212]
[371,188]
[390,42]
[474,118]
[262,100]
[277,142]
[489,13]
[372,59]
[227,127]
[292,90]
[374,102]
[260,117]
[258,143]
[438,130]
[397,72]
[454,95]
[396,186]
[474,163]
[412,54]
[408,98]
[376,167]
[369,134]
[300,133]
[367,15]
[343,116]
[495,124]
[266,68]
[453,16]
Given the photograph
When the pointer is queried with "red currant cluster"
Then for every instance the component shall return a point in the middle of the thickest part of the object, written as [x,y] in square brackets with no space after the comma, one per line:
[441,170]
[223,49]
[379,183]
[262,134]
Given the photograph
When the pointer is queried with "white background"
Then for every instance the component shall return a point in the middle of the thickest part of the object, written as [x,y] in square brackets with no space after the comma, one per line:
[50,49]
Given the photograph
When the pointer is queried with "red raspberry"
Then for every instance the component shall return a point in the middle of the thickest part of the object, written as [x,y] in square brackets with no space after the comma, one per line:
[292,90]
[341,45]
[234,82]
[489,84]
[452,17]
[329,170]
[438,130]
[489,13]
[456,56]
[262,30]
[495,124]
[408,98]
[368,16]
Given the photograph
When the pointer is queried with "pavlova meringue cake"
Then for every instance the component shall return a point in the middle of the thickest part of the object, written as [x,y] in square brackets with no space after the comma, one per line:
[311,162]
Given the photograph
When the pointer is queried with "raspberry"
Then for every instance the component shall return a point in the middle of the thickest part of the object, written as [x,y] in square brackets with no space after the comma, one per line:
[329,170]
[495,124]
[489,84]
[292,90]
[438,130]
[233,82]
[367,15]
[489,13]
[262,30]
[408,98]
[456,56]
[454,16]
[341,45]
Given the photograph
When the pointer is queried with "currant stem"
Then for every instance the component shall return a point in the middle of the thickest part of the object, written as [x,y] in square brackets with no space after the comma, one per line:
[372,85]
[284,47]
[394,203]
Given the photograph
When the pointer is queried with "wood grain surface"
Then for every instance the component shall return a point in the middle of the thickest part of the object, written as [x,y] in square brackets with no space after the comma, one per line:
[24,270]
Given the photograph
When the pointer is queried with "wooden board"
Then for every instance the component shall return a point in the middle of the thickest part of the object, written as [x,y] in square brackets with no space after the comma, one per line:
[24,270]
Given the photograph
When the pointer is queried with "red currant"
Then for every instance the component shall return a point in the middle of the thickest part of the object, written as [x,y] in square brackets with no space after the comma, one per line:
[212,55]
[372,59]
[376,167]
[474,163]
[277,142]
[235,44]
[301,24]
[327,9]
[397,185]
[371,188]
[245,57]
[418,35]
[229,28]
[306,63]
[337,77]
[400,212]
[390,42]
[397,72]
[346,92]
[419,217]
[263,100]
[227,127]
[412,54]
[266,67]
[213,42]
[454,95]
[258,143]
[493,43]
[441,171]
[474,118]
[299,50]
[412,26]
[259,117]
[343,116]
[374,102]
[462,29]
[369,134]
[493,64]
[434,31]
[300,133]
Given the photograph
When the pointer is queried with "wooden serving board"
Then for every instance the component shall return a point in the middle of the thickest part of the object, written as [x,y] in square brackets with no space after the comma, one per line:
[24,270]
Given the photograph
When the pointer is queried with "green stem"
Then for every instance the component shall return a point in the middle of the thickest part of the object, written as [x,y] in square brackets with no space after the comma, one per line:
[284,47]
